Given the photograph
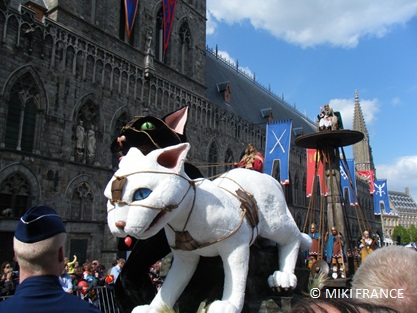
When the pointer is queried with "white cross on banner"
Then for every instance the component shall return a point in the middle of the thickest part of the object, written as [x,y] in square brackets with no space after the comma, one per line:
[278,139]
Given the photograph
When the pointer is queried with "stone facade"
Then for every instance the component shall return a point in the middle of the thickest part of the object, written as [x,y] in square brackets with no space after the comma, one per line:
[70,78]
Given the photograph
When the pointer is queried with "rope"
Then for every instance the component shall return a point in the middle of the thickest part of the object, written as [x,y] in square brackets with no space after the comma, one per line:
[169,208]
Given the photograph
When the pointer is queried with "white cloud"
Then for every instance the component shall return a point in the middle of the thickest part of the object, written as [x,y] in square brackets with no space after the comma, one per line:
[346,107]
[396,101]
[211,25]
[226,56]
[314,22]
[400,174]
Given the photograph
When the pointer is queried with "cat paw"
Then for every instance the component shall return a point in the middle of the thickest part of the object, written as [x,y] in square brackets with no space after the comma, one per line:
[282,280]
[222,307]
[144,309]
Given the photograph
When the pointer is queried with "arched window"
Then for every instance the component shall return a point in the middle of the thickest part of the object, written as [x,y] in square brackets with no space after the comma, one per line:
[212,159]
[228,160]
[21,114]
[299,220]
[120,122]
[296,189]
[82,202]
[85,133]
[288,192]
[185,51]
[15,195]
[159,36]
[122,25]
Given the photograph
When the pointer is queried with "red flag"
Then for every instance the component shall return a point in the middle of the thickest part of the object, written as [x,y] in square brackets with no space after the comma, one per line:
[370,176]
[168,10]
[313,158]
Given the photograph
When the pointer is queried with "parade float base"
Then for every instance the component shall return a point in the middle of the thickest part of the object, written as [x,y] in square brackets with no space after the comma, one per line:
[329,138]
[206,285]
[259,297]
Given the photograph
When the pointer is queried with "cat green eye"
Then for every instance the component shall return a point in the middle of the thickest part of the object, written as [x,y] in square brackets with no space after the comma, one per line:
[147,126]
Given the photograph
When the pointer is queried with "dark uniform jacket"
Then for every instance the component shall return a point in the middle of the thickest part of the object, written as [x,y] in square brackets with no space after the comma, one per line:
[44,294]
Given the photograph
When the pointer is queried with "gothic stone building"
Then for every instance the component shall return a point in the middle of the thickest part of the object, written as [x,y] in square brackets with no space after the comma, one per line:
[70,77]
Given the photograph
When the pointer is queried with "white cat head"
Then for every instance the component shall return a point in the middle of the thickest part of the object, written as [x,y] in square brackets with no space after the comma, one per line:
[144,193]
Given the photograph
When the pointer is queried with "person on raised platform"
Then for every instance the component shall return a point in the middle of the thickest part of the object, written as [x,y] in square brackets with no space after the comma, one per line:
[327,119]
[252,159]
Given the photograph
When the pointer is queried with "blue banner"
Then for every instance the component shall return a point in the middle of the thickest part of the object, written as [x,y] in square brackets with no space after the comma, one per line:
[348,181]
[278,139]
[381,197]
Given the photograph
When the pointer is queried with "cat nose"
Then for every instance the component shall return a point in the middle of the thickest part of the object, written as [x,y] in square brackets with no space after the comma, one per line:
[120,224]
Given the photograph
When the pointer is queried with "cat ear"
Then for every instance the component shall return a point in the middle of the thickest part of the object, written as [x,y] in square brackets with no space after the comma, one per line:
[173,157]
[177,120]
[130,159]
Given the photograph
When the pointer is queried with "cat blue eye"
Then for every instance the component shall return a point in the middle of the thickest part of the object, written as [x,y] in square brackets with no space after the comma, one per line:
[147,126]
[141,193]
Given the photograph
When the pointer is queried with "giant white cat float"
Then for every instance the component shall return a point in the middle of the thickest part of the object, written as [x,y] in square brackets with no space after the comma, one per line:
[202,218]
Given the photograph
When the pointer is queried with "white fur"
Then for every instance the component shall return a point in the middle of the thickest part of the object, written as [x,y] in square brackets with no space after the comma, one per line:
[215,214]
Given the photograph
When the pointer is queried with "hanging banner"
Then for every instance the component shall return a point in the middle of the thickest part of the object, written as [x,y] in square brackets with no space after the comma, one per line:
[131,8]
[370,176]
[348,181]
[381,197]
[168,7]
[277,148]
[313,160]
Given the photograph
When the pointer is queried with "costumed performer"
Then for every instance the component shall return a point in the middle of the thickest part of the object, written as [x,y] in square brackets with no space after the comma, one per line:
[252,159]
[327,118]
[334,256]
[314,251]
[366,245]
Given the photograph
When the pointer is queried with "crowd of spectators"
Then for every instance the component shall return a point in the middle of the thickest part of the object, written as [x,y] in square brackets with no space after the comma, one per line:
[76,278]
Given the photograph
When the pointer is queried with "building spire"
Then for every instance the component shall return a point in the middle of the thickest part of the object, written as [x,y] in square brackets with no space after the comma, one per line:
[362,151]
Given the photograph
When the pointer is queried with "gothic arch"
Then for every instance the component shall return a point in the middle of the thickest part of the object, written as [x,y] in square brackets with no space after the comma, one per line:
[157,32]
[25,105]
[24,173]
[20,72]
[88,125]
[82,197]
[185,47]
[212,157]
[122,111]
[229,159]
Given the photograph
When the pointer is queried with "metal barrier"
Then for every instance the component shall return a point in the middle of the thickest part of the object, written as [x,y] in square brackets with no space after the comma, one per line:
[102,298]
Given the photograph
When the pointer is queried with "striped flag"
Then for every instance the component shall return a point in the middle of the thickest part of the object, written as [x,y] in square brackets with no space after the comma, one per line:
[278,139]
[169,11]
[315,168]
[131,8]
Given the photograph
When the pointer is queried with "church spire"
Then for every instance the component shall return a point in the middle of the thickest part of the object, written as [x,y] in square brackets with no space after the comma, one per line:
[362,151]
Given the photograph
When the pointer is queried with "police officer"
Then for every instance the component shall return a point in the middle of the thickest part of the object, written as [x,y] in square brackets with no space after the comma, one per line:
[39,246]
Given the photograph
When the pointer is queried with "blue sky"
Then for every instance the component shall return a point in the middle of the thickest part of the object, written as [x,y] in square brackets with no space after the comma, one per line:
[315,52]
